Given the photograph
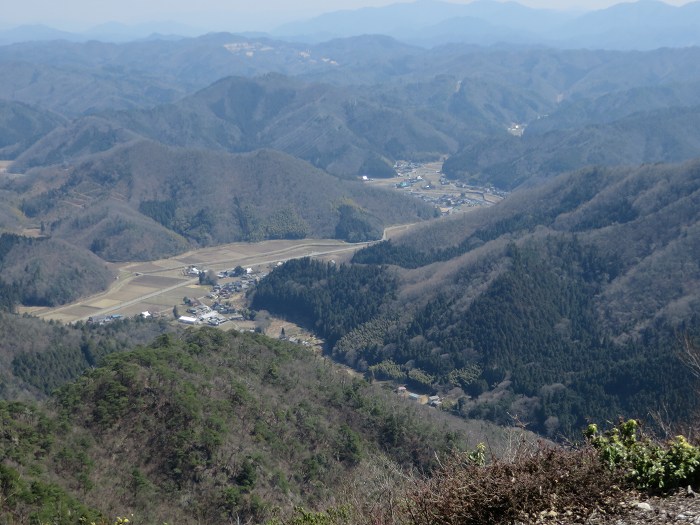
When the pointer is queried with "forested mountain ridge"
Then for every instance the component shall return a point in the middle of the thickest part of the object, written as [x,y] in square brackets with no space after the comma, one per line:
[37,357]
[663,135]
[44,271]
[143,200]
[21,126]
[334,129]
[562,303]
[349,104]
[214,426]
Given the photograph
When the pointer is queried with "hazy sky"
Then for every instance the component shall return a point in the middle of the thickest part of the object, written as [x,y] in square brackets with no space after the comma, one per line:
[208,14]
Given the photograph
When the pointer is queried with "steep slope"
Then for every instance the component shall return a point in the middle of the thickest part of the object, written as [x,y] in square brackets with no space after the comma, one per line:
[215,426]
[635,216]
[562,303]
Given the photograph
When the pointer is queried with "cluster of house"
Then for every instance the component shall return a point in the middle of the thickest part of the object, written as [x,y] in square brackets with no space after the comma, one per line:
[201,313]
[433,401]
[220,312]
[407,183]
[104,319]
[447,202]
[243,283]
[488,190]
[404,167]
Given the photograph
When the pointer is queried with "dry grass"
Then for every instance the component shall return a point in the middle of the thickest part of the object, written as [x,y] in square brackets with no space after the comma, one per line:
[547,483]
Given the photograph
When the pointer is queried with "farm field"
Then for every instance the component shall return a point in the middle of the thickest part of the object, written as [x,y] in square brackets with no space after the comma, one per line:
[156,286]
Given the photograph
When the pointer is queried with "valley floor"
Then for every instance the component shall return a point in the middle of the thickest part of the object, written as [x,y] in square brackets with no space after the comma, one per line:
[156,286]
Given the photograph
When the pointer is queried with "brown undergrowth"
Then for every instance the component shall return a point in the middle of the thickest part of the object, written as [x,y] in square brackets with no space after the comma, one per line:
[545,483]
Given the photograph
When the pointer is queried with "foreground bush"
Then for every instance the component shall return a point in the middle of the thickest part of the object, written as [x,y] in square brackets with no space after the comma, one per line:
[546,483]
[648,464]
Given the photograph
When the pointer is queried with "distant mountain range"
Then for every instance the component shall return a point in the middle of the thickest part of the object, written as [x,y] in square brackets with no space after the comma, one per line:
[141,150]
[645,24]
[108,32]
[353,101]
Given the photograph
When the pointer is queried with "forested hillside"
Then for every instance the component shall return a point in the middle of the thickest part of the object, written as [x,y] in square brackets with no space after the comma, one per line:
[21,126]
[38,357]
[341,102]
[641,138]
[214,426]
[48,271]
[144,200]
[565,302]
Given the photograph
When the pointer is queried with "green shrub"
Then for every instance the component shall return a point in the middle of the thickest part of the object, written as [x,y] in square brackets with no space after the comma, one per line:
[648,464]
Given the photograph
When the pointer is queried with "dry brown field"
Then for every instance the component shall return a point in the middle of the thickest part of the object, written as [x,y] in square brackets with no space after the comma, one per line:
[157,286]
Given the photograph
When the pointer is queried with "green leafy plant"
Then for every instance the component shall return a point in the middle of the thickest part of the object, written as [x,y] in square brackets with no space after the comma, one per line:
[650,465]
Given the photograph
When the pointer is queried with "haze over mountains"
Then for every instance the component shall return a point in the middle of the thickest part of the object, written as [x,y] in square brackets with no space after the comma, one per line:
[646,24]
